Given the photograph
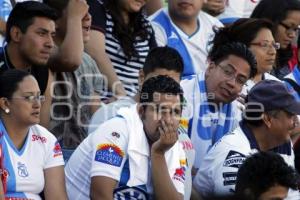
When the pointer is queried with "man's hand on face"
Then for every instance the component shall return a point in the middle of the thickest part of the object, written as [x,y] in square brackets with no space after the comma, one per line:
[168,137]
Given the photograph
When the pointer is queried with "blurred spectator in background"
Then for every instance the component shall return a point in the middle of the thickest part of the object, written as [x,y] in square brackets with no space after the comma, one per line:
[285,14]
[121,38]
[186,28]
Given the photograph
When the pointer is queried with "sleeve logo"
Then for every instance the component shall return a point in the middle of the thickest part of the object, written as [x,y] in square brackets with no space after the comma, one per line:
[109,154]
[57,149]
[234,159]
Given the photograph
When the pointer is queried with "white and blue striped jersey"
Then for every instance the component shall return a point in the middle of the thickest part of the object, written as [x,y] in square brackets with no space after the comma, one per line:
[23,169]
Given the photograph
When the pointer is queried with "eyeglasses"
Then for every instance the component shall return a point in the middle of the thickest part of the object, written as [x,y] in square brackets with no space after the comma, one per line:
[289,29]
[266,46]
[230,74]
[31,98]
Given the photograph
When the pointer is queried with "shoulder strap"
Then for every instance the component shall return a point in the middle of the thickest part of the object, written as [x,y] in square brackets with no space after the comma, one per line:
[293,84]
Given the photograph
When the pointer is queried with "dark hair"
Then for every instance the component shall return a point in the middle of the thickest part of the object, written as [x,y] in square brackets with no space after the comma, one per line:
[163,58]
[58,5]
[9,81]
[255,118]
[260,172]
[220,51]
[126,33]
[23,14]
[243,30]
[276,11]
[159,84]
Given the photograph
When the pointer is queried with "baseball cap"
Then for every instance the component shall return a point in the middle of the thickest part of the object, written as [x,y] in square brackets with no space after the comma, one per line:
[273,95]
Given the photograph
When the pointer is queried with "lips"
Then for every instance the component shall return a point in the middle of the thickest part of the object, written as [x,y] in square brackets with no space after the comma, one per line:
[86,28]
[226,93]
[36,114]
[184,4]
[270,61]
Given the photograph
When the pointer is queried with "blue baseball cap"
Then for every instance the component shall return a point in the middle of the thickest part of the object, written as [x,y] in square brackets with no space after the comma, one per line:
[273,95]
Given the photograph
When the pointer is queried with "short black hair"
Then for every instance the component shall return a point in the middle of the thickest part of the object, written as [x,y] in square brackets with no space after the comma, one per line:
[163,58]
[260,172]
[9,81]
[221,51]
[23,14]
[159,84]
[58,5]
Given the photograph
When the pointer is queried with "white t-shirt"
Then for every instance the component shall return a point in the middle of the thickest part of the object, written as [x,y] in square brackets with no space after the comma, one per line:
[197,43]
[238,9]
[104,153]
[217,174]
[108,111]
[25,167]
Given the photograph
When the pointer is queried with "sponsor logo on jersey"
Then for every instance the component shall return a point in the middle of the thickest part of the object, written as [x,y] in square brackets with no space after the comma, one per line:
[115,134]
[133,193]
[39,138]
[22,170]
[229,178]
[234,159]
[57,149]
[109,154]
[180,172]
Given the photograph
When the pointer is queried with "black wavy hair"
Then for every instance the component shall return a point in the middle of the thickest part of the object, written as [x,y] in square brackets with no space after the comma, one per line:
[163,58]
[126,33]
[23,14]
[221,51]
[160,84]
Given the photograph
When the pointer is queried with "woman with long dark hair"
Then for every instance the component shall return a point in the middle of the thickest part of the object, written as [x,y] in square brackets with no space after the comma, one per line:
[121,38]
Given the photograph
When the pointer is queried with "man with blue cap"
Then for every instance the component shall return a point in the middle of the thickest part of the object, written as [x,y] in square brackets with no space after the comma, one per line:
[269,117]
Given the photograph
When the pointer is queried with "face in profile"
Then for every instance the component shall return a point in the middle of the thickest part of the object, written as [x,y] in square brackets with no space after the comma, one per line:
[264,48]
[25,103]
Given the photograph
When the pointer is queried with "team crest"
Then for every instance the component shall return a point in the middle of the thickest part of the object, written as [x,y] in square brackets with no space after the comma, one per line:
[22,170]
[109,154]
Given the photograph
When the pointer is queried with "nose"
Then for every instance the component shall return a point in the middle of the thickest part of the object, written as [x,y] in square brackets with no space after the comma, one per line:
[232,82]
[87,17]
[295,121]
[36,104]
[50,42]
[292,34]
[272,50]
